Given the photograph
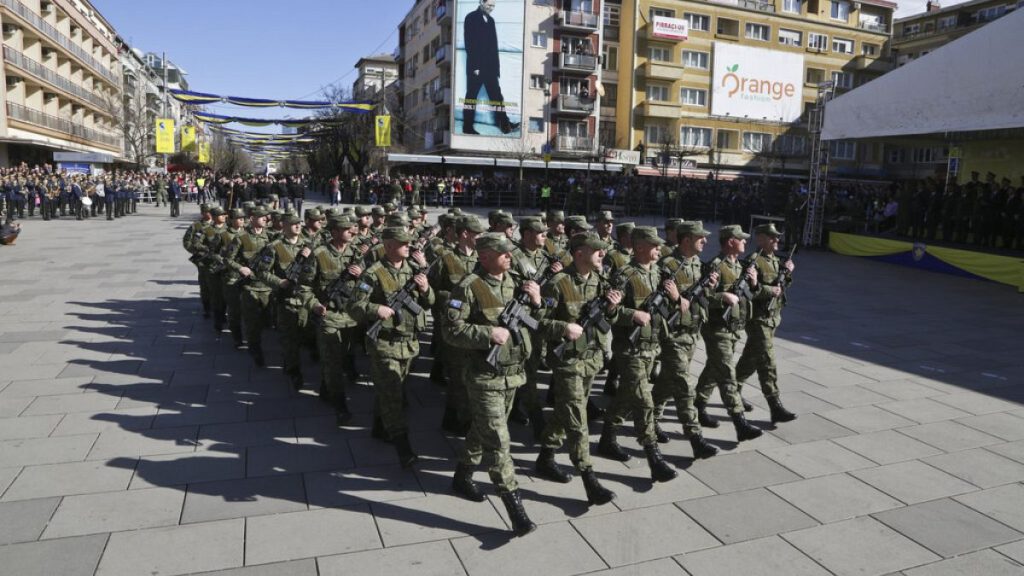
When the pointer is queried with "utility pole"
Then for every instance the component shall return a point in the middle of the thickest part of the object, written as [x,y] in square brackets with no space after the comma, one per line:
[164,111]
[384,112]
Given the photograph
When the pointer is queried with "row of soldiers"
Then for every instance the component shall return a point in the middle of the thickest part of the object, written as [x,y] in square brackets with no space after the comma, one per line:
[568,294]
[57,195]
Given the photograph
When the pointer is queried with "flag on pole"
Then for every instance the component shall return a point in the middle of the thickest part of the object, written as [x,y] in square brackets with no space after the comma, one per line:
[188,138]
[164,136]
[204,152]
[383,131]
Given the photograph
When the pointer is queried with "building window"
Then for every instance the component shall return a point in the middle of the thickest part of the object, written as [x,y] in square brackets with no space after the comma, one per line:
[843,149]
[727,139]
[947,22]
[895,155]
[840,10]
[693,96]
[757,141]
[663,12]
[843,79]
[759,32]
[842,46]
[537,82]
[695,137]
[911,29]
[989,13]
[611,58]
[697,21]
[659,54]
[611,13]
[693,59]
[791,37]
[792,145]
[817,41]
[792,6]
[611,96]
[574,129]
[815,76]
[869,49]
[930,155]
[657,93]
[540,40]
[536,125]
[728,26]
[655,135]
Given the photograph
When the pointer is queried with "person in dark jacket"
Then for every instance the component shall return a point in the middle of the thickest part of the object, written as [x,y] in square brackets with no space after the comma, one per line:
[483,68]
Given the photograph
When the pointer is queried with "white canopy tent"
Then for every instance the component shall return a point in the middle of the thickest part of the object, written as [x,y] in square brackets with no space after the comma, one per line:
[973,84]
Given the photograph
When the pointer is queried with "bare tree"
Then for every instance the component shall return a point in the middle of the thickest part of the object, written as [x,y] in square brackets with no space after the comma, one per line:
[520,150]
[343,136]
[136,123]
[227,157]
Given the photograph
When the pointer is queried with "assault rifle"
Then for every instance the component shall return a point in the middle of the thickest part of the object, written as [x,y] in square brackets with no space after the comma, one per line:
[194,235]
[294,270]
[516,314]
[338,291]
[424,236]
[657,305]
[404,299]
[592,317]
[741,286]
[251,265]
[784,275]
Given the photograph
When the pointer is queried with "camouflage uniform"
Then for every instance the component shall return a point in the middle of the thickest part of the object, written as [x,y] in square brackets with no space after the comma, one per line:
[255,296]
[192,242]
[229,278]
[292,313]
[527,264]
[210,269]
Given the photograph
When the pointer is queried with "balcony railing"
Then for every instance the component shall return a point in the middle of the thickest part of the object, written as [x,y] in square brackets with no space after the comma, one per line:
[573,103]
[57,36]
[441,55]
[43,73]
[574,143]
[581,20]
[442,96]
[757,5]
[441,13]
[65,125]
[874,26]
[581,62]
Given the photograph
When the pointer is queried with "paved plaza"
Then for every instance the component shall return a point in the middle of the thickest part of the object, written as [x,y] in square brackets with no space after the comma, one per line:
[135,441]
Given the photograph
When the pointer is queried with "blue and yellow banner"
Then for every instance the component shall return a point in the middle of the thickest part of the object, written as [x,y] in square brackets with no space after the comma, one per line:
[164,136]
[191,97]
[382,125]
[188,138]
[1001,269]
[204,152]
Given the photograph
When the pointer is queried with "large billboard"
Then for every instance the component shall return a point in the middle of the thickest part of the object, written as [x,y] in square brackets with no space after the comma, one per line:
[487,87]
[756,83]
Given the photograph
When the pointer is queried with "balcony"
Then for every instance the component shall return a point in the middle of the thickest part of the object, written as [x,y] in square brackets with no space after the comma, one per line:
[880,27]
[442,14]
[40,72]
[574,144]
[586,63]
[439,138]
[757,6]
[573,104]
[64,125]
[872,63]
[443,55]
[663,70]
[442,96]
[661,110]
[585,21]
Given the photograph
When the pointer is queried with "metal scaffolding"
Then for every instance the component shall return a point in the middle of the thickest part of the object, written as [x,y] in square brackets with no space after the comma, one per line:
[817,189]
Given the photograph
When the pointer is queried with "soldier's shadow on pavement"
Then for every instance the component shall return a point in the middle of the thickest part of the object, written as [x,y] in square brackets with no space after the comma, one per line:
[194,414]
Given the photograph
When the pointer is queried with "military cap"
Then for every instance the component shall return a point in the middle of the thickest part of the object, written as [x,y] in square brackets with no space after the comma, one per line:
[236,213]
[494,214]
[423,211]
[259,211]
[503,219]
[732,231]
[378,211]
[289,218]
[494,242]
[313,214]
[341,222]
[624,228]
[455,211]
[648,234]
[216,211]
[543,216]
[588,239]
[331,212]
[555,216]
[531,223]
[578,223]
[471,223]
[413,213]
[248,205]
[445,220]
[671,223]
[396,233]
[389,207]
[275,213]
[768,229]
[396,220]
[605,216]
[691,228]
[204,207]
[363,211]
[273,197]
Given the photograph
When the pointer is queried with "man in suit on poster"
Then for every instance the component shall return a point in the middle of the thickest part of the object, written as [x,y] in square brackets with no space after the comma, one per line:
[483,68]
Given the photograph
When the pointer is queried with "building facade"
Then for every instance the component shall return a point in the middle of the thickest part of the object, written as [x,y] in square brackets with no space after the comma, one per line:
[374,72]
[62,81]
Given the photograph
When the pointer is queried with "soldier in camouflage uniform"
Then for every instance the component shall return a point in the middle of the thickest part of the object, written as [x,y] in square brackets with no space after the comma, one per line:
[680,341]
[759,351]
[311,231]
[229,277]
[614,261]
[210,265]
[397,345]
[472,325]
[721,333]
[641,278]
[191,242]
[255,296]
[557,241]
[573,372]
[670,236]
[605,227]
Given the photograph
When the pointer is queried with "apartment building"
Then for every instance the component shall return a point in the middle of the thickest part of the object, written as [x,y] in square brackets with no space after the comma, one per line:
[62,81]
[727,84]
[374,73]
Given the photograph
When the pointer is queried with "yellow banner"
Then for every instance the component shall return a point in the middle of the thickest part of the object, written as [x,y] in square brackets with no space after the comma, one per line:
[204,152]
[188,138]
[383,131]
[164,136]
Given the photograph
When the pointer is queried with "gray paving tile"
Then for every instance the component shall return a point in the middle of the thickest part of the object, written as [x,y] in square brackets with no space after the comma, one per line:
[663,567]
[70,403]
[219,500]
[849,396]
[985,562]
[50,387]
[174,550]
[96,422]
[241,434]
[740,516]
[833,377]
[24,521]
[1001,425]
[808,428]
[818,497]
[434,517]
[950,436]
[864,419]
[913,481]
[427,559]
[977,403]
[12,407]
[67,557]
[634,488]
[763,557]
[70,479]
[296,458]
[189,468]
[1014,550]
[115,511]
[887,446]
[188,415]
[361,485]
[309,533]
[1012,450]
[28,427]
[947,527]
[554,549]
[743,471]
[121,443]
[305,567]
[34,451]
[817,458]
[859,546]
[1005,504]
[979,467]
[655,532]
[7,476]
[923,410]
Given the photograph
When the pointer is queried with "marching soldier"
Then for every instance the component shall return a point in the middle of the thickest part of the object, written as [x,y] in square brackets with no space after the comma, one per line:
[191,242]
[255,296]
[211,247]
[556,238]
[605,227]
[614,261]
[229,277]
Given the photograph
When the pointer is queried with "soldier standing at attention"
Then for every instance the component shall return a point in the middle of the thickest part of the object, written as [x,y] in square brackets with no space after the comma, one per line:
[573,373]
[192,244]
[473,326]
[229,276]
[211,265]
[255,296]
[680,341]
[636,361]
[759,351]
[721,333]
[397,344]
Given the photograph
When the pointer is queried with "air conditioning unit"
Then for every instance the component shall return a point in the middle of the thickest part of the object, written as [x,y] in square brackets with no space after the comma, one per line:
[13,81]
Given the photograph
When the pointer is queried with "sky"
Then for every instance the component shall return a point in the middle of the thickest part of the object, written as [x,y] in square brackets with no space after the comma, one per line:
[260,48]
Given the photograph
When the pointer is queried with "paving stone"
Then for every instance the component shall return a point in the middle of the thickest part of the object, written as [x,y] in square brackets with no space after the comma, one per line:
[309,533]
[887,446]
[808,428]
[67,557]
[979,467]
[833,377]
[743,471]
[1002,425]
[763,557]
[554,549]
[740,516]
[849,396]
[976,403]
[859,546]
[950,436]
[11,407]
[902,389]
[1012,450]
[121,443]
[187,415]
[1014,551]
[31,427]
[923,410]
[984,562]
[115,511]
[864,419]
[35,451]
[305,567]
[174,550]
[50,387]
[241,434]
[71,479]
[662,567]
[7,476]
[427,559]
[24,521]
[655,532]
[207,501]
[634,488]
[913,481]
[818,497]
[70,403]
[180,469]
[947,527]
[434,517]
[817,458]
[361,485]
[804,403]
[1005,504]
[282,458]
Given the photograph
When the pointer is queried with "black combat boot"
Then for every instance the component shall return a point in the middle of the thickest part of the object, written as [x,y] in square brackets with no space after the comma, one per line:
[549,469]
[744,431]
[609,444]
[702,415]
[450,421]
[538,423]
[256,351]
[660,470]
[594,412]
[325,395]
[701,448]
[747,406]
[464,485]
[406,457]
[779,412]
[596,494]
[660,434]
[521,524]
[378,431]
[518,413]
[296,380]
[236,337]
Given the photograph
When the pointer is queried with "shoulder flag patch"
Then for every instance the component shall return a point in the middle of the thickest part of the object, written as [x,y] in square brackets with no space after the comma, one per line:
[364,287]
[456,304]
